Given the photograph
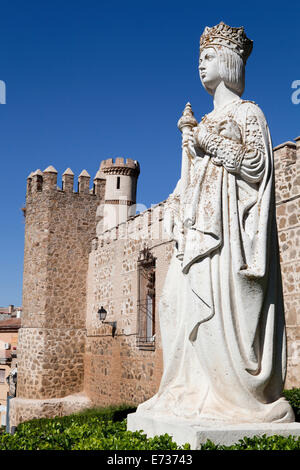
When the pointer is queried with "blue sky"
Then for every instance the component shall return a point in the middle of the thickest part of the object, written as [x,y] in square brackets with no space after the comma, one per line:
[90,80]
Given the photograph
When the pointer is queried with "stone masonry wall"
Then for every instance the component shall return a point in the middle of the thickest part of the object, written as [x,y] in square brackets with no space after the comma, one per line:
[60,225]
[287,183]
[116,370]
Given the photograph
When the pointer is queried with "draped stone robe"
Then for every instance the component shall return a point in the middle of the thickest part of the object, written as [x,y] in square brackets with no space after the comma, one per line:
[221,311]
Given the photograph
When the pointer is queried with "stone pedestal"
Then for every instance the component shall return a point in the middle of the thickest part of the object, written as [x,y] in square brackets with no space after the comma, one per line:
[197,433]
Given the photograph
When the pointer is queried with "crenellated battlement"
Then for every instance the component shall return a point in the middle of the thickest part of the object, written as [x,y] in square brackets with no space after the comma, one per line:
[60,224]
[297,140]
[285,154]
[120,166]
[114,186]
[147,225]
[287,170]
[46,181]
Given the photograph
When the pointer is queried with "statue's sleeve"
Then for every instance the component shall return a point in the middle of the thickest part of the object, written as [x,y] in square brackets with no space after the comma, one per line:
[246,158]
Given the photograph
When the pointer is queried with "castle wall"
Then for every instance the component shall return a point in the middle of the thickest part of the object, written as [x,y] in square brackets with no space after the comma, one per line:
[59,228]
[116,369]
[287,185]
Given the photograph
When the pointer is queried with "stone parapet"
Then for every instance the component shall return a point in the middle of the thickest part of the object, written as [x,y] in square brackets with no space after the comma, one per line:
[287,171]
[120,166]
[47,181]
[287,186]
[297,140]
[147,225]
[22,409]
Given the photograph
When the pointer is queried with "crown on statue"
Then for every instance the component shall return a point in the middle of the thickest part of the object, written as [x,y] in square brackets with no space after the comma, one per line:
[224,35]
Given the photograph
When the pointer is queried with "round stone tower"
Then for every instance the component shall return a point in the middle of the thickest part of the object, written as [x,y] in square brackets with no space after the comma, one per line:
[120,190]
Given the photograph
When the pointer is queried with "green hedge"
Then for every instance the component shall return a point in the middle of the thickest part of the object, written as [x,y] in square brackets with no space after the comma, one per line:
[105,429]
[293,396]
[258,443]
[110,413]
[95,429]
[94,434]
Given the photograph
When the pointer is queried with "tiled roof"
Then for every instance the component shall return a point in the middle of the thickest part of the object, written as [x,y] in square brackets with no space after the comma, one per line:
[10,309]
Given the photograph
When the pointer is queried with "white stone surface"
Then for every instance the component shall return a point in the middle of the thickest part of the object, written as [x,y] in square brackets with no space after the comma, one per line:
[186,431]
[120,192]
[221,310]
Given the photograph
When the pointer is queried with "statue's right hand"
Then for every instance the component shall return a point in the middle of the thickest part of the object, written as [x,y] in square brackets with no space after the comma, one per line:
[189,143]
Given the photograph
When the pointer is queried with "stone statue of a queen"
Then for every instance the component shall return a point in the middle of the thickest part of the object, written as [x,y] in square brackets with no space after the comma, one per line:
[221,310]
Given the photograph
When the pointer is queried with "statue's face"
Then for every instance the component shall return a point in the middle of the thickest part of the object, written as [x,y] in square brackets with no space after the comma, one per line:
[209,69]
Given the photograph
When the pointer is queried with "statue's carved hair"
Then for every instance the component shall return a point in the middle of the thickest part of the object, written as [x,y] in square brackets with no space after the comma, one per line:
[232,69]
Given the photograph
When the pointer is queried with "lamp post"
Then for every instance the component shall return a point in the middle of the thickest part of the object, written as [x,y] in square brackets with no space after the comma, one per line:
[102,315]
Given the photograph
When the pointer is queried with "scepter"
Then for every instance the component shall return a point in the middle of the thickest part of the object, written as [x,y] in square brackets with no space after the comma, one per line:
[185,124]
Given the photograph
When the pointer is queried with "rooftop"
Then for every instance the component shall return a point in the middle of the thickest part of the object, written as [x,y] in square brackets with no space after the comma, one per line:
[10,323]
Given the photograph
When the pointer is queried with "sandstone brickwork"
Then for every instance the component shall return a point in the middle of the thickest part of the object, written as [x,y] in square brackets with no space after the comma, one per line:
[60,225]
[117,370]
[287,184]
